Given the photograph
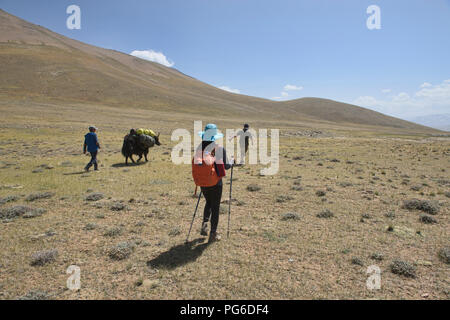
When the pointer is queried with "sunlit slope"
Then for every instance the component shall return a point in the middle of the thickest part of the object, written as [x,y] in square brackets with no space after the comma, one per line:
[39,64]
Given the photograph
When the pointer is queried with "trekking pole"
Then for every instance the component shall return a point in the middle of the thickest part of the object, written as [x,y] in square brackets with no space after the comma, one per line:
[193,218]
[229,202]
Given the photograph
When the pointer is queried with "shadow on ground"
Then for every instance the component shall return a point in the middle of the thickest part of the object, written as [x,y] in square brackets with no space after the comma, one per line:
[74,173]
[123,165]
[179,255]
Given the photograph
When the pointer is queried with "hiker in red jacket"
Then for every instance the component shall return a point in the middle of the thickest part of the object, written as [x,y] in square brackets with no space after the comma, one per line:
[208,168]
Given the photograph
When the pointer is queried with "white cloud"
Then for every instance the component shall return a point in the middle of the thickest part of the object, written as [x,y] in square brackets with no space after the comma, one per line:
[154,56]
[229,89]
[366,101]
[283,97]
[430,99]
[439,92]
[401,97]
[386,91]
[284,94]
[291,87]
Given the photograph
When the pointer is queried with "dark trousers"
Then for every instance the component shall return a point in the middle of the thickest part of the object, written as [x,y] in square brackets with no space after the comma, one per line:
[213,195]
[93,161]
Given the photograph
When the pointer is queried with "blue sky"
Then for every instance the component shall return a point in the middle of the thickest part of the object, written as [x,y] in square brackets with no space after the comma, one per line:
[280,49]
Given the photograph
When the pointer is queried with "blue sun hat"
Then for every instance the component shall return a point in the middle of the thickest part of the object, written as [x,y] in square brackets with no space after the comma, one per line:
[211,133]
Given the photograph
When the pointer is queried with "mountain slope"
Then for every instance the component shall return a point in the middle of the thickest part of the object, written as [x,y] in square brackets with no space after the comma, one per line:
[40,64]
[438,121]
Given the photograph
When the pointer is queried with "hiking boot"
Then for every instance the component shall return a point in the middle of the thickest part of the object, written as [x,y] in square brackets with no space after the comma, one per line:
[214,236]
[204,230]
[86,169]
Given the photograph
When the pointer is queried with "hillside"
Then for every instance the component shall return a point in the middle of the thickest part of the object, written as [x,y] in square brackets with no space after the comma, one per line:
[39,64]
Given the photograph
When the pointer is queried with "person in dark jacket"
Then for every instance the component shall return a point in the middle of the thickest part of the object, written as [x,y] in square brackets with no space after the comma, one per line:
[245,137]
[213,195]
[92,146]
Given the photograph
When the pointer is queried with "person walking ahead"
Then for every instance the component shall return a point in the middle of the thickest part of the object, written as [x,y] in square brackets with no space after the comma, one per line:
[245,136]
[208,168]
[92,146]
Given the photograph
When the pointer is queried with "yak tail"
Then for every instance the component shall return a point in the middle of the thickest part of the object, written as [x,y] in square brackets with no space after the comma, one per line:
[125,151]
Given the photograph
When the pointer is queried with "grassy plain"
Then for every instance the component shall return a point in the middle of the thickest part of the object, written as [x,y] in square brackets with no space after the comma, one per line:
[361,175]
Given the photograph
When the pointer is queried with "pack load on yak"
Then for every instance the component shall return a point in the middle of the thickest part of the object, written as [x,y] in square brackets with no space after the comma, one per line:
[146,132]
[146,140]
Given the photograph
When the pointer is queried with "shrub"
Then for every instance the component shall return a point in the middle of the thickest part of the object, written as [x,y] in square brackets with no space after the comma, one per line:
[325,214]
[18,211]
[427,219]
[113,232]
[253,188]
[403,268]
[320,193]
[90,226]
[41,258]
[117,206]
[290,216]
[174,232]
[376,256]
[34,213]
[283,198]
[121,251]
[444,254]
[427,206]
[357,261]
[366,216]
[95,196]
[345,184]
[37,196]
[8,199]
[35,295]
[390,214]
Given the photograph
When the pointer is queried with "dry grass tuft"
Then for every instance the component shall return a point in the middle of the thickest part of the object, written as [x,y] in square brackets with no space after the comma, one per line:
[41,258]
